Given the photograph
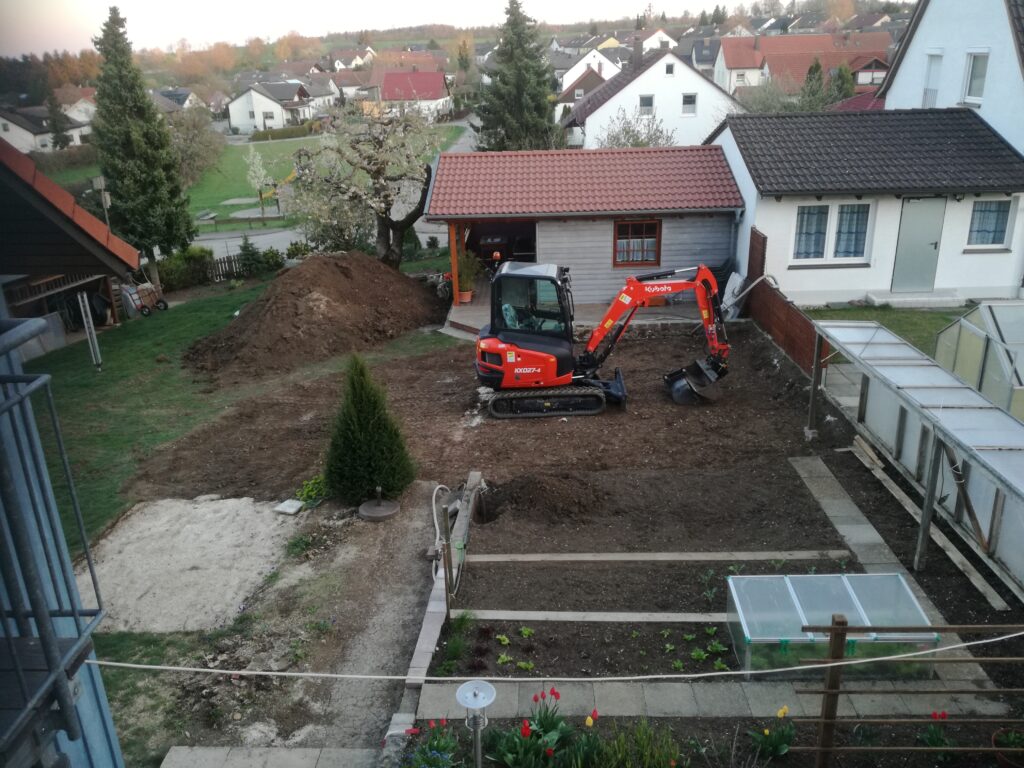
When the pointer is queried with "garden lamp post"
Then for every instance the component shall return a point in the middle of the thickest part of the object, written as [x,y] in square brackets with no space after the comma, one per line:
[476,696]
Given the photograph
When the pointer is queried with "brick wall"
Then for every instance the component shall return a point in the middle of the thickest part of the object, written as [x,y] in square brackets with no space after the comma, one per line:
[791,329]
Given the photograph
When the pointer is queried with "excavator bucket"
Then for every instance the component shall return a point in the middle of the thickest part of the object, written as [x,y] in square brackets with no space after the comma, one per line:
[693,385]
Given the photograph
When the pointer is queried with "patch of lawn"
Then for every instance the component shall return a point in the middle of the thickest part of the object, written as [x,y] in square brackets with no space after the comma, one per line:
[439,263]
[918,326]
[143,703]
[69,176]
[143,397]
[450,134]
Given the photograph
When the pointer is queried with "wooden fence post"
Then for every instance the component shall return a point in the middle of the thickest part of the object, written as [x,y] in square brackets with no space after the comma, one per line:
[830,699]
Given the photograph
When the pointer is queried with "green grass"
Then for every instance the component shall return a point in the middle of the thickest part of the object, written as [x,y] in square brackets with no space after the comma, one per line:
[227,179]
[439,263]
[75,175]
[111,421]
[918,326]
[143,703]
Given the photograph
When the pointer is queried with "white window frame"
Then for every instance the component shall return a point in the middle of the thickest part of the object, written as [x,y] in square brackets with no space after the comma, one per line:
[829,258]
[268,115]
[641,108]
[1011,222]
[683,105]
[670,69]
[577,94]
[972,54]
[741,78]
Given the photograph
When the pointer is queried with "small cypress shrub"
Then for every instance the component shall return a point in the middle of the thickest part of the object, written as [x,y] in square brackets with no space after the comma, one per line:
[367,448]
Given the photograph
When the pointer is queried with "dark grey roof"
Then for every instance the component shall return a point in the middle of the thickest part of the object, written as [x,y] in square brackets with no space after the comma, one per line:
[1014,9]
[35,119]
[164,105]
[178,95]
[281,91]
[617,55]
[562,61]
[705,50]
[914,151]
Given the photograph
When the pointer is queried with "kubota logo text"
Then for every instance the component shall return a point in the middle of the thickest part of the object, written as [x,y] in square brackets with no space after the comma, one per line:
[658,289]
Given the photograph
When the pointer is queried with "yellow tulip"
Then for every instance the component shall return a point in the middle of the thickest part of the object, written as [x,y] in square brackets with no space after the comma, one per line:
[765,731]
[782,712]
[589,722]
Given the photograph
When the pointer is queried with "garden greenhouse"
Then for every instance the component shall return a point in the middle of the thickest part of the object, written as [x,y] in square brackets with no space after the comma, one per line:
[766,614]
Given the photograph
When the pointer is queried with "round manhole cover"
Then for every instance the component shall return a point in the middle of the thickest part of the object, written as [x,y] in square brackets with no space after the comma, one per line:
[378,509]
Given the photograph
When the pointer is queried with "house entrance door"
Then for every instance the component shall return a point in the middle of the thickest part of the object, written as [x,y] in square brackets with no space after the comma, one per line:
[917,249]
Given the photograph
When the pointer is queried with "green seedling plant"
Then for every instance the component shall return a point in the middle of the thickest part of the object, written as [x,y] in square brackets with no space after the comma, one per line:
[777,564]
[709,595]
[526,666]
[689,637]
[634,634]
[677,665]
[313,491]
[525,632]
[720,666]
[812,570]
[706,577]
[710,631]
[669,648]
[505,659]
[736,569]
[716,647]
[641,652]
[665,633]
[698,654]
[502,639]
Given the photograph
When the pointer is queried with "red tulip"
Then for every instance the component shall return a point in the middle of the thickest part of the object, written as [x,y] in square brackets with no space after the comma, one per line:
[549,752]
[536,698]
[594,714]
[543,695]
[525,730]
[444,723]
[432,725]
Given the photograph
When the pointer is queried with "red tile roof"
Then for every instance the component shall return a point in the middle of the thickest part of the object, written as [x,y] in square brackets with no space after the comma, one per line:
[413,86]
[863,102]
[577,182]
[790,56]
[64,202]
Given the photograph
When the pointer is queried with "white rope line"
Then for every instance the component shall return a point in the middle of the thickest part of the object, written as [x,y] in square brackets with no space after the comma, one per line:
[624,679]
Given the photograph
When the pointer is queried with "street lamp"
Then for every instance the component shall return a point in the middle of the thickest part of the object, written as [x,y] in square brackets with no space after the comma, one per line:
[476,696]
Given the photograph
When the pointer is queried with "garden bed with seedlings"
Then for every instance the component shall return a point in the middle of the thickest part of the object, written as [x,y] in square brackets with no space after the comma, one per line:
[581,649]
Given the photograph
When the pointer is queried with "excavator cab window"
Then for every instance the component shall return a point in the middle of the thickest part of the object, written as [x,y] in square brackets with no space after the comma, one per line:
[531,305]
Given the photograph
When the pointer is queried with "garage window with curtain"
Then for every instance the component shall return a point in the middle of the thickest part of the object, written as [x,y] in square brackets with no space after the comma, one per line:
[834,234]
[811,231]
[989,222]
[637,243]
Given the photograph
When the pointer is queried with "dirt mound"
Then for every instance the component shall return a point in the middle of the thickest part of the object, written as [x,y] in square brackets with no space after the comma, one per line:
[540,497]
[328,305]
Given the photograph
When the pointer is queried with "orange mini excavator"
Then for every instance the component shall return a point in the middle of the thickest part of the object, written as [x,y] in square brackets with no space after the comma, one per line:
[526,353]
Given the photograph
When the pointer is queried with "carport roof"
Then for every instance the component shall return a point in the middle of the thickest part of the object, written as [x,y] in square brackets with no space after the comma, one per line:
[573,183]
[46,231]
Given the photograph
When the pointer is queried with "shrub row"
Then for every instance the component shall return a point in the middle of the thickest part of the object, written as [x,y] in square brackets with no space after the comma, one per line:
[291,132]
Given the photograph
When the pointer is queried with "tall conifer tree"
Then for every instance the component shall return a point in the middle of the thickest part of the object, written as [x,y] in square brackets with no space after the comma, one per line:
[147,205]
[516,111]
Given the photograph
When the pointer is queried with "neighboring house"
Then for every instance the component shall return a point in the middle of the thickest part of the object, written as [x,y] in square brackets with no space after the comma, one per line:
[559,61]
[812,23]
[77,103]
[483,51]
[264,106]
[302,67]
[28,129]
[350,82]
[657,40]
[912,207]
[589,81]
[593,60]
[424,91]
[185,98]
[864,21]
[604,214]
[704,54]
[964,55]
[323,92]
[862,102]
[164,106]
[661,86]
[351,58]
[749,61]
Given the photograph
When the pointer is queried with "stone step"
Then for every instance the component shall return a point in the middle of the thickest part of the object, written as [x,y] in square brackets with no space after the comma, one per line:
[270,757]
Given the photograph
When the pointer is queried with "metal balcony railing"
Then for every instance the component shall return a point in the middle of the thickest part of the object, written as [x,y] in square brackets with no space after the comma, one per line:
[45,630]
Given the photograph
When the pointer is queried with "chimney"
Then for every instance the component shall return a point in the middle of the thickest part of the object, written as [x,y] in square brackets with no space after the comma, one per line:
[636,60]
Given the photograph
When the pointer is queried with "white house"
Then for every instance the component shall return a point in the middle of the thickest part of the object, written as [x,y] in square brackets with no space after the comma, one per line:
[910,208]
[594,59]
[28,129]
[264,106]
[185,98]
[426,91]
[662,87]
[963,54]
[658,40]
[352,58]
[575,91]
[83,110]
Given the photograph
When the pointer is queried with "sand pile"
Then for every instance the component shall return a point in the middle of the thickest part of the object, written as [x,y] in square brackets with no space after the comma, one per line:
[328,305]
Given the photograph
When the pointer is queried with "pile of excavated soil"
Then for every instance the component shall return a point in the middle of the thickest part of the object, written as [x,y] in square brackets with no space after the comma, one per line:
[328,305]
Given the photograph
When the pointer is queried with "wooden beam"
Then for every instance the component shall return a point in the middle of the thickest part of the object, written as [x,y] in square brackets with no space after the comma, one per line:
[453,253]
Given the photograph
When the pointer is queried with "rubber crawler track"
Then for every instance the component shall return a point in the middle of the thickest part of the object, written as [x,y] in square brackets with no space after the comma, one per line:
[551,395]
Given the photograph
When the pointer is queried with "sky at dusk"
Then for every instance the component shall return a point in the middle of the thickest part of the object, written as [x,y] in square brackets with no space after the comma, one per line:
[34,26]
